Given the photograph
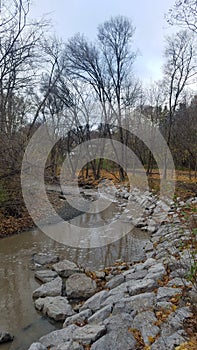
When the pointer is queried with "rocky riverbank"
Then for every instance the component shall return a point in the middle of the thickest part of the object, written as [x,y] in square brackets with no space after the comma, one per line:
[138,305]
[144,304]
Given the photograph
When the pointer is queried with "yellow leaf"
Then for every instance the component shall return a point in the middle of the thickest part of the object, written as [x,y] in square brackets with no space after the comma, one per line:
[151,339]
[174,307]
[186,346]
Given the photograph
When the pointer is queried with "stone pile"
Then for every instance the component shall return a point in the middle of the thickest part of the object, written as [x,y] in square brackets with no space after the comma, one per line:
[146,211]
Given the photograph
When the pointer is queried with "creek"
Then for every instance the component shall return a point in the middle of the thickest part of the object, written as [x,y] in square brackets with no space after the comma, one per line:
[17,282]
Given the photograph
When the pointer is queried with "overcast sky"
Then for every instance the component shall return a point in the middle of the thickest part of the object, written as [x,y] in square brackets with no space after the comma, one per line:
[84,16]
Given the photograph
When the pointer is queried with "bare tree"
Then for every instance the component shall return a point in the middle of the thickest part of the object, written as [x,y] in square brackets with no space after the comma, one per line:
[184,14]
[20,62]
[185,129]
[107,67]
[152,110]
[19,57]
[179,72]
[115,38]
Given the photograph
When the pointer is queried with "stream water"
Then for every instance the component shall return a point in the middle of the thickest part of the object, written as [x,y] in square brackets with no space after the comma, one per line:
[17,282]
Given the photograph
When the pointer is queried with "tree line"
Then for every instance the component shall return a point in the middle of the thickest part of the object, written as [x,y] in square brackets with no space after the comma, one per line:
[88,89]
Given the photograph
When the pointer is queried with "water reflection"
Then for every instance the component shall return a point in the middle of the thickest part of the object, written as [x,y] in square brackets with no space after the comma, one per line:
[17,282]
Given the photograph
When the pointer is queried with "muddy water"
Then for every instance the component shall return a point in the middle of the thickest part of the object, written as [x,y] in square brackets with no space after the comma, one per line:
[17,313]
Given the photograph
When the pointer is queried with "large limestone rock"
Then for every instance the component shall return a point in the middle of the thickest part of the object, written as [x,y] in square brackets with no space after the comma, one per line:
[176,319]
[52,289]
[140,286]
[80,286]
[89,333]
[115,281]
[131,275]
[165,293]
[5,337]
[114,298]
[57,308]
[118,334]
[140,302]
[58,337]
[79,318]
[170,342]
[101,315]
[45,259]
[71,336]
[156,271]
[65,268]
[147,264]
[94,303]
[45,275]
[145,323]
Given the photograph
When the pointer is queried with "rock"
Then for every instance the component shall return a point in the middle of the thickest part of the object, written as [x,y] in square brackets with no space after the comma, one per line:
[5,337]
[139,222]
[165,293]
[140,286]
[150,254]
[156,271]
[70,345]
[65,268]
[94,303]
[178,282]
[37,346]
[114,298]
[135,275]
[145,323]
[58,337]
[45,275]
[80,318]
[118,334]
[168,343]
[115,281]
[116,294]
[148,246]
[80,286]
[193,295]
[100,274]
[45,259]
[106,320]
[57,308]
[148,263]
[161,207]
[166,305]
[177,318]
[140,302]
[101,315]
[109,277]
[130,271]
[151,229]
[180,273]
[52,289]
[185,258]
[116,341]
[89,333]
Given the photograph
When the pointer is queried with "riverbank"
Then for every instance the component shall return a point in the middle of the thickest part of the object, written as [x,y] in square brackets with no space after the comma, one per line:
[184,190]
[10,225]
[166,223]
[146,305]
